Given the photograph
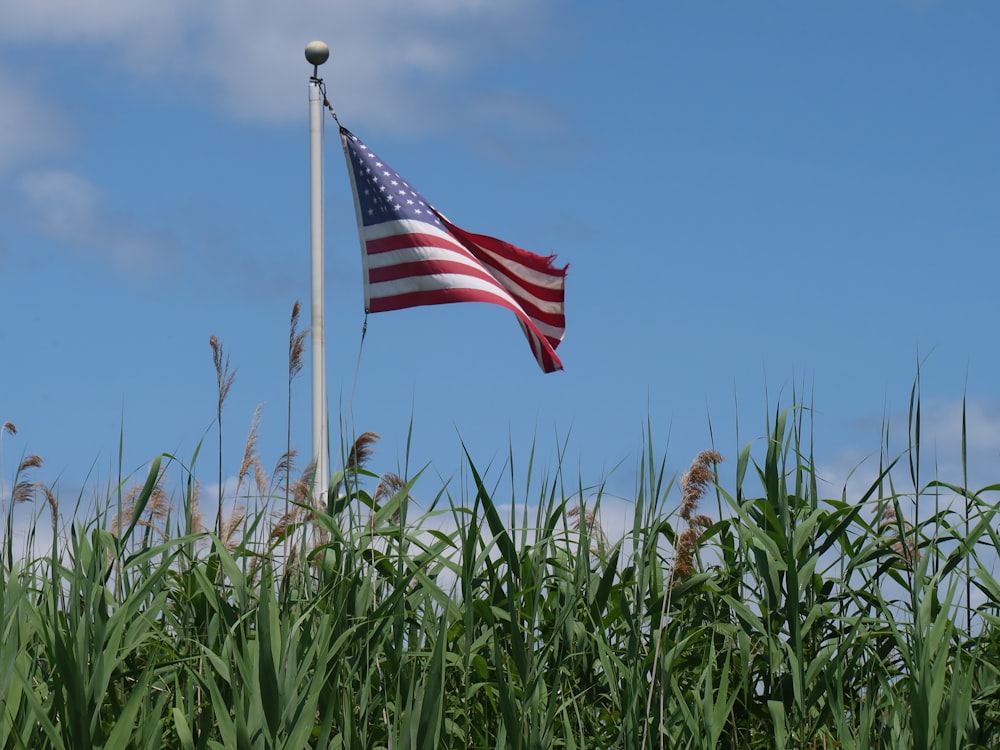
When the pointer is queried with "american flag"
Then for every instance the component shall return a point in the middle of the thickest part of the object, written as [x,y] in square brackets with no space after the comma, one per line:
[412,255]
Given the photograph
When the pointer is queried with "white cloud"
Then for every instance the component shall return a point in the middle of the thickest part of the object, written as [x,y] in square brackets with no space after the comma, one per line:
[387,58]
[28,123]
[71,209]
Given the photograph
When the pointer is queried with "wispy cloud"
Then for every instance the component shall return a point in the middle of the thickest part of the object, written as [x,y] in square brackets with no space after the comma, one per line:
[72,210]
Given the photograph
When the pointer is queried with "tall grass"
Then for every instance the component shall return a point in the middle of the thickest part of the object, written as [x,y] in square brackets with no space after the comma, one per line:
[783,618]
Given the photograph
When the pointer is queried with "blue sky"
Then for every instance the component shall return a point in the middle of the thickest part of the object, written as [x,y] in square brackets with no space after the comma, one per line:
[753,198]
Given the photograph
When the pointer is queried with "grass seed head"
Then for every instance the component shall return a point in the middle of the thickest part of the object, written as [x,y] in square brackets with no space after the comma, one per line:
[53,502]
[296,344]
[232,525]
[362,450]
[695,481]
[24,492]
[687,542]
[31,461]
[194,508]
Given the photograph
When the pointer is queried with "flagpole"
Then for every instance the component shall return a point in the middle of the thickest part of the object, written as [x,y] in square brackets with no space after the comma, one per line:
[317,54]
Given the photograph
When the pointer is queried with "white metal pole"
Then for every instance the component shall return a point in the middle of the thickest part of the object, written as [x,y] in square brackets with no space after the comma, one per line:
[317,53]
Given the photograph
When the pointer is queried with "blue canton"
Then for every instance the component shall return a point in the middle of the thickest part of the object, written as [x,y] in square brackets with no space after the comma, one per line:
[382,193]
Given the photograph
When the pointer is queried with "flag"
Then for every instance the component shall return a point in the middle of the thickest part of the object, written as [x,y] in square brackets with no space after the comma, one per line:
[412,255]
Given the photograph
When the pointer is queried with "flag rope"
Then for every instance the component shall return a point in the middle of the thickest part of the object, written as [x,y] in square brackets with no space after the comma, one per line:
[357,369]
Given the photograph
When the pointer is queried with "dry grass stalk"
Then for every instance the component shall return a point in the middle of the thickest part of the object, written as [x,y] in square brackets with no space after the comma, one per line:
[223,375]
[296,344]
[250,449]
[694,483]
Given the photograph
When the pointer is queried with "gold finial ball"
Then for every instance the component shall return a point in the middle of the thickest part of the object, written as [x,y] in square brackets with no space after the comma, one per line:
[317,53]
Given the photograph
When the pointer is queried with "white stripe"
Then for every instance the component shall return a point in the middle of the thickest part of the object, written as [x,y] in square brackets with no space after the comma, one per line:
[422,253]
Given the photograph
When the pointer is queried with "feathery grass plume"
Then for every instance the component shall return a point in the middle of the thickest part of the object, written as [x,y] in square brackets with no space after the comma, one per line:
[588,522]
[231,526]
[24,492]
[9,428]
[251,460]
[388,485]
[701,522]
[156,512]
[250,449]
[260,477]
[302,487]
[53,502]
[194,507]
[224,376]
[283,469]
[31,461]
[300,492]
[687,542]
[695,481]
[284,521]
[296,344]
[362,450]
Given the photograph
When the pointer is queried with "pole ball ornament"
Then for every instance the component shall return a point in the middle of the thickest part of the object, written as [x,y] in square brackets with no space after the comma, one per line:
[317,53]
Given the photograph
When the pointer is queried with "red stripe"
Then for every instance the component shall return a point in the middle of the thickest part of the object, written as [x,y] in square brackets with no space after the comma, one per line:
[410,240]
